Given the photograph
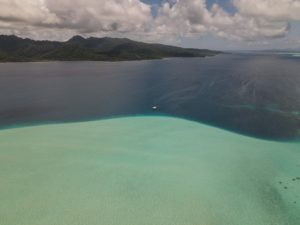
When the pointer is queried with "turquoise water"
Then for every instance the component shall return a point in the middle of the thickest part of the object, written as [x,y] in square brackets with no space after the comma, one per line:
[295,54]
[145,171]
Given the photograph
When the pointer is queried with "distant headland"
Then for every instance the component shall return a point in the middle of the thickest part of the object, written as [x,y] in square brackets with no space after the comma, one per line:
[16,49]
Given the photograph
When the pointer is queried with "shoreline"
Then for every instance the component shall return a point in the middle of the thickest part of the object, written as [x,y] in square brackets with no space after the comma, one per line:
[110,61]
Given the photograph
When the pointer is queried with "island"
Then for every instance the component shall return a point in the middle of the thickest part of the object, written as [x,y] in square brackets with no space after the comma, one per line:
[16,49]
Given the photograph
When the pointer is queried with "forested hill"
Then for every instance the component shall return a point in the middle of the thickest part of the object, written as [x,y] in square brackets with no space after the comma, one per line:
[15,49]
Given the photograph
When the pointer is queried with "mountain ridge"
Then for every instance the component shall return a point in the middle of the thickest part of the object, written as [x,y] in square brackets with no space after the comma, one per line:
[78,48]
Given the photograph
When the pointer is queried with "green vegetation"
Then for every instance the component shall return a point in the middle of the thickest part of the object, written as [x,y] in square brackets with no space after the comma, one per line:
[15,49]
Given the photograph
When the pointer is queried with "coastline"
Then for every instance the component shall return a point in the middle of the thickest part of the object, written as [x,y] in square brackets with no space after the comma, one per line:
[121,60]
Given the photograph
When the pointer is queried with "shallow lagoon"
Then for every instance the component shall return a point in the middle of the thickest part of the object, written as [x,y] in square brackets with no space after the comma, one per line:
[146,170]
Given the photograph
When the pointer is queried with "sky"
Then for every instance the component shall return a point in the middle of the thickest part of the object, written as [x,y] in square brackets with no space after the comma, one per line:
[213,24]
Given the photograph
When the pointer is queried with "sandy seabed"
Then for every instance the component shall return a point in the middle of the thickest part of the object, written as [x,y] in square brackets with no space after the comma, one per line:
[145,171]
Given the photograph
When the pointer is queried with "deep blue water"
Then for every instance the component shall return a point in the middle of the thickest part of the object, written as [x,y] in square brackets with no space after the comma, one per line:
[257,95]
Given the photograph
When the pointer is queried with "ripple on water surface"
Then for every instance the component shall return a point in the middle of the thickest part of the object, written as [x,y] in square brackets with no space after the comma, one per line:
[145,170]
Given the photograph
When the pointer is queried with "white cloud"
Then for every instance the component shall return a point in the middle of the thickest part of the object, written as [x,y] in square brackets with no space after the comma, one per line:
[244,27]
[191,17]
[276,10]
[182,17]
[26,11]
[60,19]
[74,16]
[94,15]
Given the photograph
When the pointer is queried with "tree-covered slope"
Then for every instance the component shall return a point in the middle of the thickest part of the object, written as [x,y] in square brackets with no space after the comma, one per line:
[13,48]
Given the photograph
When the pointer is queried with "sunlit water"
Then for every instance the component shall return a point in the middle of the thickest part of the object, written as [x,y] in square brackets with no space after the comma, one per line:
[145,171]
